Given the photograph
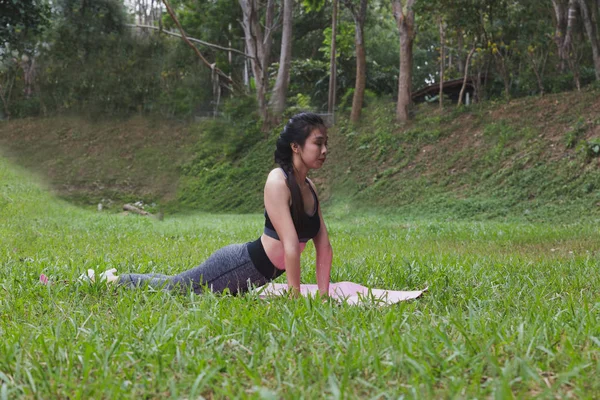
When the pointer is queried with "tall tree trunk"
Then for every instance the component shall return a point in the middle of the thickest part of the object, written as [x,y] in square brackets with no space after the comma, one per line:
[359,17]
[405,20]
[566,15]
[332,61]
[259,47]
[442,61]
[278,98]
[567,51]
[560,31]
[591,33]
[571,18]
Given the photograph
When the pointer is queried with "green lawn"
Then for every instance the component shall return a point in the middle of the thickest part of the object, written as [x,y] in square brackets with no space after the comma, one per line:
[512,309]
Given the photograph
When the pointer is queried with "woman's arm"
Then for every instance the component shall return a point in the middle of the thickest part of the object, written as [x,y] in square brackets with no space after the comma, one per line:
[277,204]
[324,256]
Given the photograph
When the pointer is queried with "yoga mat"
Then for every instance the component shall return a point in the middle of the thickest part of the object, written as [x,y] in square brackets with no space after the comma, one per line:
[349,292]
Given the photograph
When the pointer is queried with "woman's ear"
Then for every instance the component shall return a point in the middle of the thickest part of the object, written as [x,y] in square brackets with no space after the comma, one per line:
[295,147]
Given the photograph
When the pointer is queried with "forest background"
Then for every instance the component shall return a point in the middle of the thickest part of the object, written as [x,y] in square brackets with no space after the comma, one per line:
[221,103]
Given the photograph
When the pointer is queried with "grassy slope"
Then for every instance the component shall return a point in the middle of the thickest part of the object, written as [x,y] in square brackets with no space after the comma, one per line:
[86,161]
[511,310]
[530,159]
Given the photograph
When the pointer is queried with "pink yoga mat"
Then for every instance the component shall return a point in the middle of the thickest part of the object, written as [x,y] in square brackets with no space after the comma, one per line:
[349,292]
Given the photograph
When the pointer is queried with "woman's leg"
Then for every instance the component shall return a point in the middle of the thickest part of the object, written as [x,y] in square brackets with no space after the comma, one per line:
[137,280]
[227,268]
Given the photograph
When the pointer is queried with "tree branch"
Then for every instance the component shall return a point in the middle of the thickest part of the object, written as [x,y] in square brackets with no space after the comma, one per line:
[213,67]
[191,39]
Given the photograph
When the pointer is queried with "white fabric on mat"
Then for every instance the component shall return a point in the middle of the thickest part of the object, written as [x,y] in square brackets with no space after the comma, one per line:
[349,292]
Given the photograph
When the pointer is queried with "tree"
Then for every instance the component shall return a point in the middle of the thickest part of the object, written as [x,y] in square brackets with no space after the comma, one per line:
[565,21]
[21,18]
[332,61]
[359,15]
[20,24]
[405,20]
[278,98]
[217,74]
[590,29]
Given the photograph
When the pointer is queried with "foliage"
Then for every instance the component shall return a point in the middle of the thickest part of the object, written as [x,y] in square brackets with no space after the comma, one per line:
[112,70]
[20,19]
[593,147]
[575,133]
[310,78]
[216,22]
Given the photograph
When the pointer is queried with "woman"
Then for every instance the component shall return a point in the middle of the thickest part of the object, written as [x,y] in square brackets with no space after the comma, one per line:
[292,218]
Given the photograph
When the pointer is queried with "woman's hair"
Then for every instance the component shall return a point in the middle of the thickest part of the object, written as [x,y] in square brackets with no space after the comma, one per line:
[296,131]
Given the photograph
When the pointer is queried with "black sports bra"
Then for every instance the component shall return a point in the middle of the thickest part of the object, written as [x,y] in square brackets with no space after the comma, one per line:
[311,224]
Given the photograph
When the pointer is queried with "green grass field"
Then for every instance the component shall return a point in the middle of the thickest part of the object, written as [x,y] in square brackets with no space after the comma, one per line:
[512,309]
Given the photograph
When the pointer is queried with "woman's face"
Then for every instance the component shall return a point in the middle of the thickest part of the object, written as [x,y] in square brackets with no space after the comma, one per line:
[314,151]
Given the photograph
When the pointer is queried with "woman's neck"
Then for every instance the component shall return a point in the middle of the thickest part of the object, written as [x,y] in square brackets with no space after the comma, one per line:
[300,170]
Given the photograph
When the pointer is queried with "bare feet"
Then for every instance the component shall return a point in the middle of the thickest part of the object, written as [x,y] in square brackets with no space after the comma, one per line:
[107,276]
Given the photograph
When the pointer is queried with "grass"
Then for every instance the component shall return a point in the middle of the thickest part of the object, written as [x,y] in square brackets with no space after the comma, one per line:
[535,159]
[512,309]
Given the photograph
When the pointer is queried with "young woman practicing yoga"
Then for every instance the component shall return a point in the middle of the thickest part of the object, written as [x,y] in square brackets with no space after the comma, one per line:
[292,218]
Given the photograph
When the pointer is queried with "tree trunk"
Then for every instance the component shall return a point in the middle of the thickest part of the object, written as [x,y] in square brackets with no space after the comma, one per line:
[501,62]
[332,61]
[536,68]
[405,20]
[442,61]
[361,76]
[359,17]
[567,50]
[27,64]
[459,61]
[466,75]
[279,95]
[560,13]
[6,90]
[566,15]
[259,47]
[591,33]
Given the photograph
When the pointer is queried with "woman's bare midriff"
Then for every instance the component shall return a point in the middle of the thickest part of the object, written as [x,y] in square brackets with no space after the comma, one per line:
[274,250]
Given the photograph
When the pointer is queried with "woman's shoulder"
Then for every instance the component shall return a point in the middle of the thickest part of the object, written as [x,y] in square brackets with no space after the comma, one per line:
[277,174]
[276,179]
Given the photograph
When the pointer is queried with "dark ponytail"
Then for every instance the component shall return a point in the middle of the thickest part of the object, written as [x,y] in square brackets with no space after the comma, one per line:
[296,131]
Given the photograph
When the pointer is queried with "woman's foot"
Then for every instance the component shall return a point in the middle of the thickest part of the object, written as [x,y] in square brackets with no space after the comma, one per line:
[107,276]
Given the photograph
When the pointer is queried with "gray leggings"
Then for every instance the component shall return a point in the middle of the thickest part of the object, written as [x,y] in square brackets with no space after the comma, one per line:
[227,268]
